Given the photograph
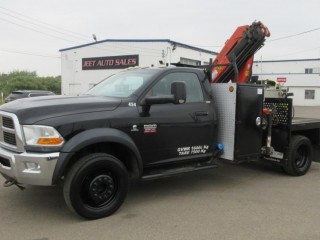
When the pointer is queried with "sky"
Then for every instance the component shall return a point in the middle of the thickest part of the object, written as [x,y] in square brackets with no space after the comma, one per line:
[32,32]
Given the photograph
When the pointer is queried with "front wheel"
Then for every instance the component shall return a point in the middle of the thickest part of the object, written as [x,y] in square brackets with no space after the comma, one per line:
[300,156]
[96,186]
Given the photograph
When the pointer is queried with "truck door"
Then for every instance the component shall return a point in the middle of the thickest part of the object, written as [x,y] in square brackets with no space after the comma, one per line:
[177,133]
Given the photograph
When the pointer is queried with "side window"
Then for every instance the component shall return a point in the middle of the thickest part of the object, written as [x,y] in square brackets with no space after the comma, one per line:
[194,90]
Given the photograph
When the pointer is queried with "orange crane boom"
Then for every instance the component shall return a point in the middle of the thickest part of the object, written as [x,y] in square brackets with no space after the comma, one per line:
[241,46]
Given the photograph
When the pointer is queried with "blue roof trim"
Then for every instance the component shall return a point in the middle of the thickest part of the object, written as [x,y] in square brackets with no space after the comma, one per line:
[281,73]
[193,48]
[289,60]
[141,40]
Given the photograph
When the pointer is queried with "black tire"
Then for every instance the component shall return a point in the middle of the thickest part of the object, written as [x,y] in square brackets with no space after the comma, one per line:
[96,186]
[300,156]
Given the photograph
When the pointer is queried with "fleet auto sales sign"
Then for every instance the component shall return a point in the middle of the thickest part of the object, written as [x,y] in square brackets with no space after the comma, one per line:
[114,62]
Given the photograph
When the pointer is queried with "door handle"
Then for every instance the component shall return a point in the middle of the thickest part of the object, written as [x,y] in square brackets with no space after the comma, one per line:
[201,114]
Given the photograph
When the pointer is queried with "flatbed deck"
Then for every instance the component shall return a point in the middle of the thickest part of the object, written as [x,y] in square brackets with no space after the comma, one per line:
[299,123]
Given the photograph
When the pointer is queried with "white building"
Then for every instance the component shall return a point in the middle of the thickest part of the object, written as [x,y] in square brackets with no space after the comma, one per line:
[302,76]
[84,66]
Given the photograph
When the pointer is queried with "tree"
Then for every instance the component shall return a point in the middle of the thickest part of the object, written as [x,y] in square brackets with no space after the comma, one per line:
[25,80]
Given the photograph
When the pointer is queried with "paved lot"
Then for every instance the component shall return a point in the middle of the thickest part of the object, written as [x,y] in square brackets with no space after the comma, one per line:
[248,201]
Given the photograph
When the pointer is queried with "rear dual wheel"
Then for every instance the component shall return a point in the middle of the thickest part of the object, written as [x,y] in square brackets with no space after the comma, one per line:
[300,156]
[96,186]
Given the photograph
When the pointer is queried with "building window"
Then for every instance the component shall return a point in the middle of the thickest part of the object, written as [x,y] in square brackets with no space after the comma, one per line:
[308,70]
[190,61]
[309,94]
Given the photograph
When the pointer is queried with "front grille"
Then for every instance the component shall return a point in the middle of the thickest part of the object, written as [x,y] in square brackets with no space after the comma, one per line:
[10,132]
[5,162]
[9,138]
[7,122]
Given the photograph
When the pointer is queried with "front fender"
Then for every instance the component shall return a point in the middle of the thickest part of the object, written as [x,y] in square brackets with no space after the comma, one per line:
[91,137]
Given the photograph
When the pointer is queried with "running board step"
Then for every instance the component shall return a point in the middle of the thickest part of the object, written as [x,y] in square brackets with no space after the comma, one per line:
[153,174]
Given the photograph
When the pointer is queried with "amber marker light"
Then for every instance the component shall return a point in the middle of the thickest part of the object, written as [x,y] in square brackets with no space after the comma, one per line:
[50,141]
[231,89]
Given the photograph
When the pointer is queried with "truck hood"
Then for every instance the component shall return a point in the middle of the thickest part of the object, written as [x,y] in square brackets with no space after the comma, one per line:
[32,110]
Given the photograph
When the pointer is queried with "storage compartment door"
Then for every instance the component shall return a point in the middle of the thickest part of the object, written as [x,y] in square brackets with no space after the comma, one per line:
[248,136]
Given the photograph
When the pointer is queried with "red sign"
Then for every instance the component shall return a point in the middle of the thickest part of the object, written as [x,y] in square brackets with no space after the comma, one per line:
[281,79]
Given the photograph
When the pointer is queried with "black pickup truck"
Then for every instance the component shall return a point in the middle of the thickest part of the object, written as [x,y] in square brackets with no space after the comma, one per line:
[143,123]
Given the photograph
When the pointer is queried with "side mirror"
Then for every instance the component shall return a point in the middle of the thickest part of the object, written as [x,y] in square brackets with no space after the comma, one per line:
[178,96]
[178,90]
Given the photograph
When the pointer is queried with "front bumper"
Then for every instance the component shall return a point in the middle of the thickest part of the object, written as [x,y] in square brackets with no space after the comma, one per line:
[28,168]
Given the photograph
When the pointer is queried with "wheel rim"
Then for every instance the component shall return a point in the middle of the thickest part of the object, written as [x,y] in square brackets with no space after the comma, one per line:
[301,157]
[98,189]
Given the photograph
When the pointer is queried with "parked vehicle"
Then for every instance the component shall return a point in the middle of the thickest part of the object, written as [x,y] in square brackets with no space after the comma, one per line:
[26,94]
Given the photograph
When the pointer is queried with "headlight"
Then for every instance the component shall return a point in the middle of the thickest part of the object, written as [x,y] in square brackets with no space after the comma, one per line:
[35,135]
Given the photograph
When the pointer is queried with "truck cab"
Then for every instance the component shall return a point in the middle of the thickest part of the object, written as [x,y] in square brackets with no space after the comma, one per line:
[144,123]
[159,125]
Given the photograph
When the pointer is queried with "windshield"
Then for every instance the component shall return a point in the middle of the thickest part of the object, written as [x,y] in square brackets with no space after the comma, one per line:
[122,84]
